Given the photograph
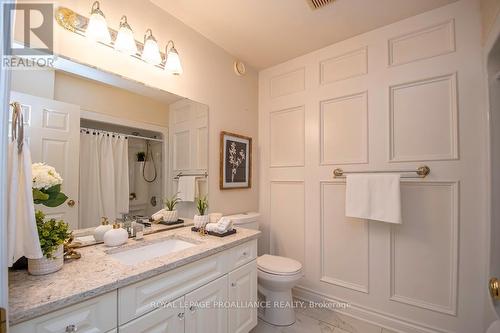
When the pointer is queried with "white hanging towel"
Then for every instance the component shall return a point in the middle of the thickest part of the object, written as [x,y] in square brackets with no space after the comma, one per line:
[120,159]
[187,188]
[374,197]
[22,234]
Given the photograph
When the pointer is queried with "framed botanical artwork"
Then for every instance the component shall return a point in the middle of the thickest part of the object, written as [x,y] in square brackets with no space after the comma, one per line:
[235,161]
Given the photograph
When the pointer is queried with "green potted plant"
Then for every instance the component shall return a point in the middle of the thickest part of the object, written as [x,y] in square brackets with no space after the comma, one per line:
[170,213]
[52,234]
[141,156]
[202,206]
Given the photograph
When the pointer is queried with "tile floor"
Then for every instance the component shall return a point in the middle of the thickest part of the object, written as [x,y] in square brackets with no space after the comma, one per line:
[310,320]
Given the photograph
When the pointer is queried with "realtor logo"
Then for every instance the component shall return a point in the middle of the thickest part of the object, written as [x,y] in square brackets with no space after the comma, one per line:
[31,39]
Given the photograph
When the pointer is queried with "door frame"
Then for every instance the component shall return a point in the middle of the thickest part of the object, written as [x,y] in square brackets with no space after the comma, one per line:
[4,125]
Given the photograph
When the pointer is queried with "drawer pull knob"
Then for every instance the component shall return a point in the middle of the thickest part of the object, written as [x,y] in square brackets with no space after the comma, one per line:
[233,284]
[245,254]
[181,315]
[71,329]
[192,308]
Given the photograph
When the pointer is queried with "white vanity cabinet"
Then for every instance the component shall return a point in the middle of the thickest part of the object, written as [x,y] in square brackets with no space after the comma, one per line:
[199,297]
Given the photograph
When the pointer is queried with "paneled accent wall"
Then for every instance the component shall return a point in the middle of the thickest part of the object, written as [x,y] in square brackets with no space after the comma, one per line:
[395,98]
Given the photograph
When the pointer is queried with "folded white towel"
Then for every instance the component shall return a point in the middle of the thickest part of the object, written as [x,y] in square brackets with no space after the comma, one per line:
[224,225]
[158,215]
[186,188]
[374,197]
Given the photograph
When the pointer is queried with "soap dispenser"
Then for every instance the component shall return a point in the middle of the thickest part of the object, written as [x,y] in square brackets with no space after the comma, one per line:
[101,230]
[116,236]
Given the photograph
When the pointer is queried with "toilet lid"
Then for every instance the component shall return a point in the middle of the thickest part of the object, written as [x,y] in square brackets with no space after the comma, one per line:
[278,265]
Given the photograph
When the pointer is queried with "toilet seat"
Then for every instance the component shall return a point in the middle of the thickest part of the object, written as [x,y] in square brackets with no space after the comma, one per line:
[277,265]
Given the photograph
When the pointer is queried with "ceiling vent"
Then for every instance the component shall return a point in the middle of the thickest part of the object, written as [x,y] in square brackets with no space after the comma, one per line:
[316,4]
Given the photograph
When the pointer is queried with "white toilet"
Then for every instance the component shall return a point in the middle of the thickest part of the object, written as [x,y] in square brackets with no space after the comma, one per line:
[276,278]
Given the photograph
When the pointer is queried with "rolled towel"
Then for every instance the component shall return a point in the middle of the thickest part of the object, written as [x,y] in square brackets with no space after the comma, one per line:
[211,227]
[158,215]
[224,224]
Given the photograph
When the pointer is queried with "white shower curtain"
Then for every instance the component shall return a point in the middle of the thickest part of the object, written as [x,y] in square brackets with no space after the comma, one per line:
[104,183]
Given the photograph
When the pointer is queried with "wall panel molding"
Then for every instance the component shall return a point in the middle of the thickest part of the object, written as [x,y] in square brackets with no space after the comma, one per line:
[344,130]
[287,212]
[288,83]
[345,66]
[287,137]
[423,123]
[422,44]
[425,238]
[358,245]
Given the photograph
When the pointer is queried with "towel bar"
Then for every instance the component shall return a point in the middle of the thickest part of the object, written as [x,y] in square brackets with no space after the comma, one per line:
[180,174]
[421,172]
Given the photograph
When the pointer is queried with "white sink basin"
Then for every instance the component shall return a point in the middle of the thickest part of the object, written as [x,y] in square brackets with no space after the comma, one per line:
[134,255]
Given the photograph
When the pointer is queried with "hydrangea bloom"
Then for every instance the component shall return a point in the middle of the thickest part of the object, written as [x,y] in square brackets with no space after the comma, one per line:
[44,176]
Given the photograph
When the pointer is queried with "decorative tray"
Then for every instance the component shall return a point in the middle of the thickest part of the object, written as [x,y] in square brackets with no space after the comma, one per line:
[211,233]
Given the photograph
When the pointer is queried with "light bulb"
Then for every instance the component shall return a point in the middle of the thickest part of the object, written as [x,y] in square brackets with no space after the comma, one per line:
[125,41]
[97,28]
[151,52]
[173,61]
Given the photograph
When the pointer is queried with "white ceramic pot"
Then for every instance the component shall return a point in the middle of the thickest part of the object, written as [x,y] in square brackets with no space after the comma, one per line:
[201,220]
[100,231]
[46,265]
[170,215]
[115,237]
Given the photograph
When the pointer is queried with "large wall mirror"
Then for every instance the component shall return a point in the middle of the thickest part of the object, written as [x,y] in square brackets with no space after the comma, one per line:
[121,147]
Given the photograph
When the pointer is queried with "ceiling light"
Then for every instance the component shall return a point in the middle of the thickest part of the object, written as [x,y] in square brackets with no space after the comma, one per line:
[172,61]
[97,28]
[151,53]
[125,41]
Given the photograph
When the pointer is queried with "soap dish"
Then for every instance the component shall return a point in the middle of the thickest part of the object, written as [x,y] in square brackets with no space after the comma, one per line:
[211,233]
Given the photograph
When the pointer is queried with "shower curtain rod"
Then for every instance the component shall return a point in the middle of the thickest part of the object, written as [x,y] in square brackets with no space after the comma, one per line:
[125,135]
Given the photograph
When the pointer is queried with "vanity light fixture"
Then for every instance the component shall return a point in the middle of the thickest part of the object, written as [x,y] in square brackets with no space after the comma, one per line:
[125,41]
[151,52]
[172,61]
[122,40]
[97,28]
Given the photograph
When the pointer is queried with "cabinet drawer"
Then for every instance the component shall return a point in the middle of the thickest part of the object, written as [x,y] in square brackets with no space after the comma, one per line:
[242,254]
[96,315]
[166,319]
[145,296]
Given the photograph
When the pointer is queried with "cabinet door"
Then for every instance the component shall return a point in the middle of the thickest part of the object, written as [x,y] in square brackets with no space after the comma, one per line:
[165,319]
[243,291]
[205,311]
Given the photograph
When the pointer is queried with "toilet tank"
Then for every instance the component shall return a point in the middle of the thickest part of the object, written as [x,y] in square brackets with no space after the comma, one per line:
[248,220]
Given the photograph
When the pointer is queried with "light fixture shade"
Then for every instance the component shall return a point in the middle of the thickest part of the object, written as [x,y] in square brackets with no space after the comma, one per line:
[97,28]
[173,63]
[125,41]
[151,52]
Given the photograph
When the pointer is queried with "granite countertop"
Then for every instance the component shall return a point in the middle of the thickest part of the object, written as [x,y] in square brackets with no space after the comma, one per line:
[97,273]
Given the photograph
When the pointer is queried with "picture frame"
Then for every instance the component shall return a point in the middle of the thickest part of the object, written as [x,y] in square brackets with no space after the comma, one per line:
[235,161]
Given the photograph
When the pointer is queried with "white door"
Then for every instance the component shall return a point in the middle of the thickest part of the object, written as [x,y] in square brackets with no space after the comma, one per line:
[166,319]
[205,312]
[53,136]
[243,290]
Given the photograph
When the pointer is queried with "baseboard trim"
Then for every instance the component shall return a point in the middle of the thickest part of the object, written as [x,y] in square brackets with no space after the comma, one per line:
[369,315]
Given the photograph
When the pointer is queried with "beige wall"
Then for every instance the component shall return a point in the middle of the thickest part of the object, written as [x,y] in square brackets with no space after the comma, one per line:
[489,12]
[208,78]
[102,98]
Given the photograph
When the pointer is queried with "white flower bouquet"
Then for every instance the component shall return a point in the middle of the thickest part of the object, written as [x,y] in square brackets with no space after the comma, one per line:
[47,185]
